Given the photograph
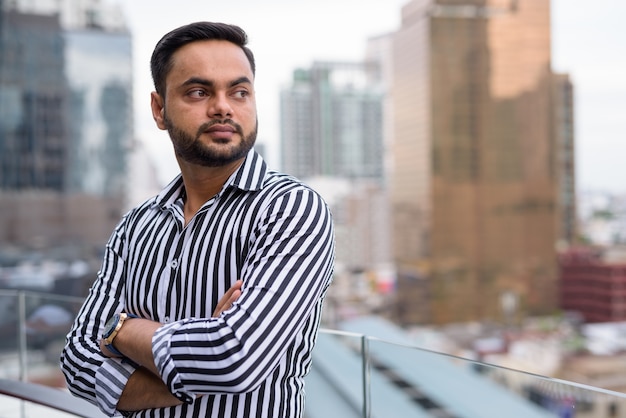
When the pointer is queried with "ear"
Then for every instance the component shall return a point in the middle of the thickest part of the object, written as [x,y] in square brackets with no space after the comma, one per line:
[158,109]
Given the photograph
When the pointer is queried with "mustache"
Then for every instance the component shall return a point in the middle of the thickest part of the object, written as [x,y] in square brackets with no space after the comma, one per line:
[205,126]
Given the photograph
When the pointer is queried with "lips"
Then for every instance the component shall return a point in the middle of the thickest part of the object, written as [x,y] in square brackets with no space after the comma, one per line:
[221,132]
[221,128]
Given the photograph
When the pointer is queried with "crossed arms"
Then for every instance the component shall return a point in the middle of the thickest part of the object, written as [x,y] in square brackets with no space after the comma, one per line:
[144,388]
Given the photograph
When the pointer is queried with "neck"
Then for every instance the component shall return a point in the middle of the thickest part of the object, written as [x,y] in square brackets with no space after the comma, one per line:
[202,183]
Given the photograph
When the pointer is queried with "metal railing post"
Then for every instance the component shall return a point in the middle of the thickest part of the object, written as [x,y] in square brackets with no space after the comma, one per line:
[365,353]
[21,334]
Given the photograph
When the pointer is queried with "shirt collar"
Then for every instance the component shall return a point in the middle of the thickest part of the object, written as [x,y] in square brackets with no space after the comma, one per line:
[248,177]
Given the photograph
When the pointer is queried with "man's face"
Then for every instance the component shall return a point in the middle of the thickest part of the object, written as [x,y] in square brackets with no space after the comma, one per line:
[209,108]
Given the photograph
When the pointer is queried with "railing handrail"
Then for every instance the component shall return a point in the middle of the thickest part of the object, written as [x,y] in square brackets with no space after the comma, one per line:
[49,397]
[42,294]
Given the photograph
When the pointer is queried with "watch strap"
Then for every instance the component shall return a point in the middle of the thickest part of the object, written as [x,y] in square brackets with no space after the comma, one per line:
[114,350]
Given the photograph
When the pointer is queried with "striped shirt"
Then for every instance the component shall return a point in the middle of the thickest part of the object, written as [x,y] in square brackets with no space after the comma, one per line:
[265,228]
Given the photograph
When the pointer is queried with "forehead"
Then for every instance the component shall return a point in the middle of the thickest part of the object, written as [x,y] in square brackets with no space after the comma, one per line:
[209,59]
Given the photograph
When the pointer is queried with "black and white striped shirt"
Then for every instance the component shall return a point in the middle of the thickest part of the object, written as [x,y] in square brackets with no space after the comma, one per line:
[263,227]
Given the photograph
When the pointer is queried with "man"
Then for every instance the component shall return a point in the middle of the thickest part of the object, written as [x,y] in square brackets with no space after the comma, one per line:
[213,289]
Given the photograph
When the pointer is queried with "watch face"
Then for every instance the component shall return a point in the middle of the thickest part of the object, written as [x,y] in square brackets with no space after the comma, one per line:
[110,326]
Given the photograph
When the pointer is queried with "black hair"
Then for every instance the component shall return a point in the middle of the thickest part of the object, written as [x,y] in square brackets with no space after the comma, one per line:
[161,60]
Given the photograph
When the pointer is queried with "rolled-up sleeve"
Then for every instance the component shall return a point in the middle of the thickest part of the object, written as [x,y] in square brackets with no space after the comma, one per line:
[111,378]
[164,362]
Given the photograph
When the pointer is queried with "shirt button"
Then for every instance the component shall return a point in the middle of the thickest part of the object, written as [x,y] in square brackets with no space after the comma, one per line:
[166,319]
[174,264]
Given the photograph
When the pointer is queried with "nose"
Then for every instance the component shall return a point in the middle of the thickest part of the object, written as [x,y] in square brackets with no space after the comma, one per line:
[219,106]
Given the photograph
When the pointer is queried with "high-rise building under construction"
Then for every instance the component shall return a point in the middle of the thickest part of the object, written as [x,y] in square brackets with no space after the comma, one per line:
[478,195]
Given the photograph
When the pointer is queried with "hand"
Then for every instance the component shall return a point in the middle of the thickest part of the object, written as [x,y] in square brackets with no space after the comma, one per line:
[227,300]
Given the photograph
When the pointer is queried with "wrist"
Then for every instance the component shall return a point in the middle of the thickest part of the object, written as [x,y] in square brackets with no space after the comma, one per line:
[111,330]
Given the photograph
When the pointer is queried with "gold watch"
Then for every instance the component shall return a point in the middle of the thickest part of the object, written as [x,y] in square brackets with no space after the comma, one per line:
[111,329]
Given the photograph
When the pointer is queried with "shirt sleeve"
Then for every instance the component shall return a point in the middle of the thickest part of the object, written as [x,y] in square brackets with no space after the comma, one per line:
[111,378]
[89,374]
[286,273]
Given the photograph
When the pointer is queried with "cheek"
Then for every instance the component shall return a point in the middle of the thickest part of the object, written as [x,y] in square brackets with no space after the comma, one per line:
[250,119]
[188,118]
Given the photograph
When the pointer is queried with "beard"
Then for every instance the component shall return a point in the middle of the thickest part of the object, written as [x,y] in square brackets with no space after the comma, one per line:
[193,150]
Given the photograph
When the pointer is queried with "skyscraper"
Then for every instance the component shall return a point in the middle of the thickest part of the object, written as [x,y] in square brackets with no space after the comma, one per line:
[99,71]
[65,119]
[475,181]
[331,122]
[33,103]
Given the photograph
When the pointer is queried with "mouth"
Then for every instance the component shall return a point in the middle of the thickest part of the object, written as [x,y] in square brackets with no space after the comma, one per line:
[221,129]
[221,132]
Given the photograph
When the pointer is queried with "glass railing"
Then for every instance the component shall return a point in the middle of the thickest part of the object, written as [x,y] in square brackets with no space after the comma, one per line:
[353,375]
[356,375]
[33,326]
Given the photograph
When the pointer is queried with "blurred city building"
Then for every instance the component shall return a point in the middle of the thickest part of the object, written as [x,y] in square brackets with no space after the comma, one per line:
[331,122]
[35,121]
[476,151]
[65,121]
[593,283]
[593,273]
[332,138]
[482,189]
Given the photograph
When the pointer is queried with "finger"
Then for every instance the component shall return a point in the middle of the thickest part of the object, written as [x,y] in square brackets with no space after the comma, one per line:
[233,297]
[221,308]
[228,298]
[234,288]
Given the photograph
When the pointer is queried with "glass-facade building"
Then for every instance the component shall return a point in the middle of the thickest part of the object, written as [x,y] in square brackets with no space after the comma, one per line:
[476,177]
[99,72]
[34,132]
[65,101]
[66,124]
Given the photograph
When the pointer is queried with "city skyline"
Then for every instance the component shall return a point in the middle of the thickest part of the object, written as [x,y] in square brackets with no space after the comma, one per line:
[596,73]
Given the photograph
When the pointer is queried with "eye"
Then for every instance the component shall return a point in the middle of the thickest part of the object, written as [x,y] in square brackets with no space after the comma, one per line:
[197,93]
[240,94]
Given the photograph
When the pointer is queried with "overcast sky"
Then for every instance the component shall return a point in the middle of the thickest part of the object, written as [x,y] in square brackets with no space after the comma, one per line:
[588,42]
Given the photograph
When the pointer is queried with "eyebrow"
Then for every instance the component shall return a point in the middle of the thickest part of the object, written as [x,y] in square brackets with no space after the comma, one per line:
[209,83]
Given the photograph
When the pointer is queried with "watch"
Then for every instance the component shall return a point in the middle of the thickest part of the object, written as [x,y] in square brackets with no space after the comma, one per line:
[111,329]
